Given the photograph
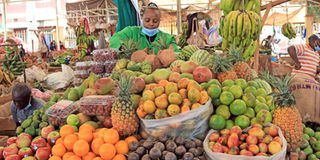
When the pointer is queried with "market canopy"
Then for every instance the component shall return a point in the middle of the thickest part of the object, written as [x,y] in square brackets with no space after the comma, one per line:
[278,19]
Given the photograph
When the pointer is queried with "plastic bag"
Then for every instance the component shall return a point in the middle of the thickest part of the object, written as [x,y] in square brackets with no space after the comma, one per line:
[35,74]
[60,79]
[191,124]
[222,156]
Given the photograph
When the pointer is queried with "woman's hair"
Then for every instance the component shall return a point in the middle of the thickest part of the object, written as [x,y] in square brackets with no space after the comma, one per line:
[151,6]
[190,18]
[21,89]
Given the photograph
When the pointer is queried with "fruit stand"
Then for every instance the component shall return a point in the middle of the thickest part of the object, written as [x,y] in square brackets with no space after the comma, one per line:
[192,105]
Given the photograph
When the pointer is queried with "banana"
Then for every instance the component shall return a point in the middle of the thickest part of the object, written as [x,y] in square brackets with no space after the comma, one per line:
[1,76]
[257,6]
[237,5]
[254,25]
[229,5]
[233,23]
[226,26]
[224,44]
[246,26]
[245,4]
[249,6]
[240,24]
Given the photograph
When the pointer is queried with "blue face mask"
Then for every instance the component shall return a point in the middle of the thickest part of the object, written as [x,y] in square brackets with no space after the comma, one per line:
[29,105]
[316,48]
[150,32]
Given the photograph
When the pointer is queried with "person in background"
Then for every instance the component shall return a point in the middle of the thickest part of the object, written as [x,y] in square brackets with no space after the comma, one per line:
[53,46]
[23,103]
[146,35]
[43,48]
[306,56]
[61,46]
[22,52]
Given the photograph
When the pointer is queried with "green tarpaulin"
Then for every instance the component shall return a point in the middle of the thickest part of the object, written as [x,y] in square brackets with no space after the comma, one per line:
[127,14]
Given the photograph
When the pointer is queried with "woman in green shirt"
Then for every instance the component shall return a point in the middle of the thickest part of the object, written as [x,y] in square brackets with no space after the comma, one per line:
[146,35]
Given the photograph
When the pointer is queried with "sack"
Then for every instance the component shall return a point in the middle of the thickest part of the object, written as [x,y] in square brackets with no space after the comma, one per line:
[60,79]
[5,109]
[197,38]
[35,74]
[191,124]
[222,156]
[307,93]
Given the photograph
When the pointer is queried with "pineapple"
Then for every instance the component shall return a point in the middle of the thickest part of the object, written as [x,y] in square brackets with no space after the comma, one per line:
[127,48]
[124,118]
[286,115]
[223,69]
[241,68]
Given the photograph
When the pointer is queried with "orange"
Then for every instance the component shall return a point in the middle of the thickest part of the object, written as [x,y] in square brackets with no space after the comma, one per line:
[89,156]
[111,136]
[140,112]
[74,157]
[59,141]
[86,127]
[119,157]
[95,145]
[149,106]
[163,83]
[69,140]
[122,147]
[102,132]
[67,155]
[66,130]
[95,135]
[185,108]
[97,158]
[107,151]
[81,148]
[183,93]
[54,158]
[58,150]
[131,139]
[86,135]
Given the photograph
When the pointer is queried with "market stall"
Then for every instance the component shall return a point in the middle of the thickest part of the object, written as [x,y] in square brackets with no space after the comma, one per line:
[193,102]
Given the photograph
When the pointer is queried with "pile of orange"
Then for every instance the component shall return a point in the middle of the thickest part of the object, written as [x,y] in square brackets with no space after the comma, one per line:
[90,144]
[169,98]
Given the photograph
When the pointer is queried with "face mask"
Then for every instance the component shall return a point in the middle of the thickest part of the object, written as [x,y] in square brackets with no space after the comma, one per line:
[29,105]
[316,48]
[150,32]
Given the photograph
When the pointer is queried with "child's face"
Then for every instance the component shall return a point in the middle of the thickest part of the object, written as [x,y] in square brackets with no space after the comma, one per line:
[20,101]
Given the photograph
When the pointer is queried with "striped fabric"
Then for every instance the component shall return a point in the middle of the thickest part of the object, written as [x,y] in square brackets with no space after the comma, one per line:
[308,58]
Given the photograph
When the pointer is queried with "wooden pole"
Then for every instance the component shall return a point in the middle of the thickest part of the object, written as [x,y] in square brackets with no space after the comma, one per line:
[179,16]
[4,17]
[57,26]
[256,53]
[308,23]
[107,10]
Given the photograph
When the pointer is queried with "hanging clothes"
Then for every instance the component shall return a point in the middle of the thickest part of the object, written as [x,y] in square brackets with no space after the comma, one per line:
[128,14]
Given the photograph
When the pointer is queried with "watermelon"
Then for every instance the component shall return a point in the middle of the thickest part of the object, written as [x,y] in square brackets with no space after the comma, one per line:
[265,85]
[176,62]
[202,58]
[188,51]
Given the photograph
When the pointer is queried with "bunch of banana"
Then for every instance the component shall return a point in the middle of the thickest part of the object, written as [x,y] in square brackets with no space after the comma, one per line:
[241,27]
[5,79]
[231,5]
[183,37]
[13,66]
[250,50]
[221,24]
[288,31]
